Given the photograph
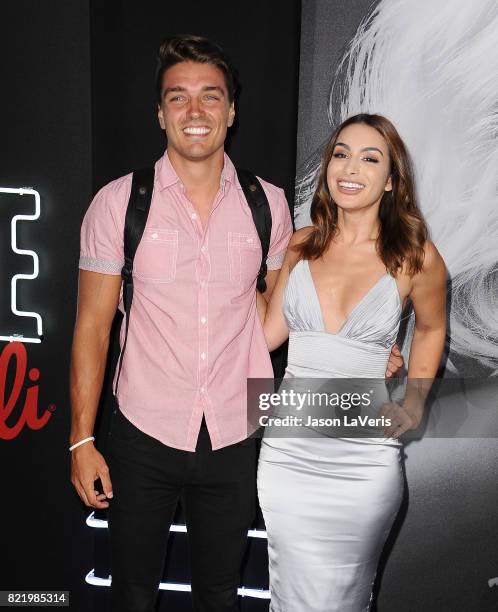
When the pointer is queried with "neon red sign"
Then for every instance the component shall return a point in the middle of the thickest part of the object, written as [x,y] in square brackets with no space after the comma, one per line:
[9,398]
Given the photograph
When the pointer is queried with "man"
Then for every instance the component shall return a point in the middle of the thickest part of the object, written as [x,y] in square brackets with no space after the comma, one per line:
[194,338]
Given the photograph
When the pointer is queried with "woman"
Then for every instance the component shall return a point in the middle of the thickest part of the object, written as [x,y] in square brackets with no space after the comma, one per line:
[329,503]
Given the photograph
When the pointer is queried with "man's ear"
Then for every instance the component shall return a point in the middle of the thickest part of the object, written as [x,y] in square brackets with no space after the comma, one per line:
[160,116]
[231,115]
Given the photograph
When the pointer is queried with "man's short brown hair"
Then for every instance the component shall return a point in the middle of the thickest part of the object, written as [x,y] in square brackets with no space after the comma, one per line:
[191,48]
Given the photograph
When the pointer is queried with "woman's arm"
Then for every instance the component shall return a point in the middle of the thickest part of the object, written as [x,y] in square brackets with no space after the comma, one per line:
[271,314]
[428,295]
[262,307]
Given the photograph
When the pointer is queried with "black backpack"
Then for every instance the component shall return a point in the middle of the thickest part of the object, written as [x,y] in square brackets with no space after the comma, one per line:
[136,218]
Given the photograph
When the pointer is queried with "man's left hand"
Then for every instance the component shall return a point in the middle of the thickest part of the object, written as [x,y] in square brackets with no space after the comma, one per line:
[395,362]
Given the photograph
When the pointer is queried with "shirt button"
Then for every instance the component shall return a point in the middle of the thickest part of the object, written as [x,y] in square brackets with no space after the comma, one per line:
[193,216]
[203,320]
[203,356]
[203,389]
[203,283]
[203,248]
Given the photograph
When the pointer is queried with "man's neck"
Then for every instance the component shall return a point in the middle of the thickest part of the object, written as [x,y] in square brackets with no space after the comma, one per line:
[198,175]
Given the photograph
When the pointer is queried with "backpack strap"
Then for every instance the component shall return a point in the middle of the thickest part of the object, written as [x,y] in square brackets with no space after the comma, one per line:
[261,215]
[136,217]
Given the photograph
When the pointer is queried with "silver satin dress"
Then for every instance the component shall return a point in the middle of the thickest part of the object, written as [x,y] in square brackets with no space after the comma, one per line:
[329,503]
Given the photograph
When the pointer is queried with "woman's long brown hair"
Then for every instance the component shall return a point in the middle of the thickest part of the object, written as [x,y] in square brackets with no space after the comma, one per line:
[403,230]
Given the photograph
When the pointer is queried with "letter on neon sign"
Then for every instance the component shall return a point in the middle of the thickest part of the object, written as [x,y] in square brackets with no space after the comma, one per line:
[17,277]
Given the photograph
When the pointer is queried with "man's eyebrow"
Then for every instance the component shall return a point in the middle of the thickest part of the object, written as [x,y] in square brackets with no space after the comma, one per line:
[214,88]
[343,144]
[176,88]
[179,88]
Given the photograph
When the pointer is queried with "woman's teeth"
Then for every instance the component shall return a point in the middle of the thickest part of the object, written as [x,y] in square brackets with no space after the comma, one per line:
[350,185]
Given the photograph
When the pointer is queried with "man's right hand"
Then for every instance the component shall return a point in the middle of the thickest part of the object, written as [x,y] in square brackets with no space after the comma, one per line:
[98,298]
[88,465]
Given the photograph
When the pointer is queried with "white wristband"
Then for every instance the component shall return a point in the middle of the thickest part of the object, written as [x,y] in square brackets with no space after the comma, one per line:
[90,439]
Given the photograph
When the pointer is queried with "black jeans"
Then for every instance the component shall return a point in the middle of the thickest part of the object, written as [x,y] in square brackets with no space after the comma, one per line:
[218,490]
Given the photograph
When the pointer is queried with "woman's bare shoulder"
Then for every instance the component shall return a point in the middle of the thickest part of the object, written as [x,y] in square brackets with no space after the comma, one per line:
[300,235]
[433,270]
[432,257]
[293,254]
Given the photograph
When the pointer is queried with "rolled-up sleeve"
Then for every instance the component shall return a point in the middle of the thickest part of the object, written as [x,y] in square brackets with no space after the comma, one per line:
[101,240]
[281,230]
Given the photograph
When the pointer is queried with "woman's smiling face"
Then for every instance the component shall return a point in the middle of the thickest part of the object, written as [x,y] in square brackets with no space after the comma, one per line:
[359,169]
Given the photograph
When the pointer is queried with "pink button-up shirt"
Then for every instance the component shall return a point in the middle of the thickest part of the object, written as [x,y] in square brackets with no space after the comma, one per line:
[194,335]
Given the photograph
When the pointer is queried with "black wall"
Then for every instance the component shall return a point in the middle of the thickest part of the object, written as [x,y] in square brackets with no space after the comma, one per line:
[45,131]
[262,39]
[77,110]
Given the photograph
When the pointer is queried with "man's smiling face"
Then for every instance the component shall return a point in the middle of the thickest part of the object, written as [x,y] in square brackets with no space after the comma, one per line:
[195,110]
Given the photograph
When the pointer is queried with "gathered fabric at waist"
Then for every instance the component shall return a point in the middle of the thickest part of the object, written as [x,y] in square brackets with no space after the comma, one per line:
[320,354]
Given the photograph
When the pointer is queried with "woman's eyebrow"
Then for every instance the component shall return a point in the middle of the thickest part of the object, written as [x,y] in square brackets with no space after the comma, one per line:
[373,149]
[343,144]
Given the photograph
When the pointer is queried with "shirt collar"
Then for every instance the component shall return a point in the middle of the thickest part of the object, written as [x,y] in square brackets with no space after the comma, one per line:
[166,175]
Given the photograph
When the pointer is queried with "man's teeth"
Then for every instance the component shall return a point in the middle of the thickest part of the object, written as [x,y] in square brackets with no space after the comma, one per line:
[348,185]
[197,131]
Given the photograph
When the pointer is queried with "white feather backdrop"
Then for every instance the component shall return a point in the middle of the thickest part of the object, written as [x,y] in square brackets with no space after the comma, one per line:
[431,66]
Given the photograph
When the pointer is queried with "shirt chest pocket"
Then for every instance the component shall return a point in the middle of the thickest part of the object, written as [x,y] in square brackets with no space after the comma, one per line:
[156,257]
[244,252]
